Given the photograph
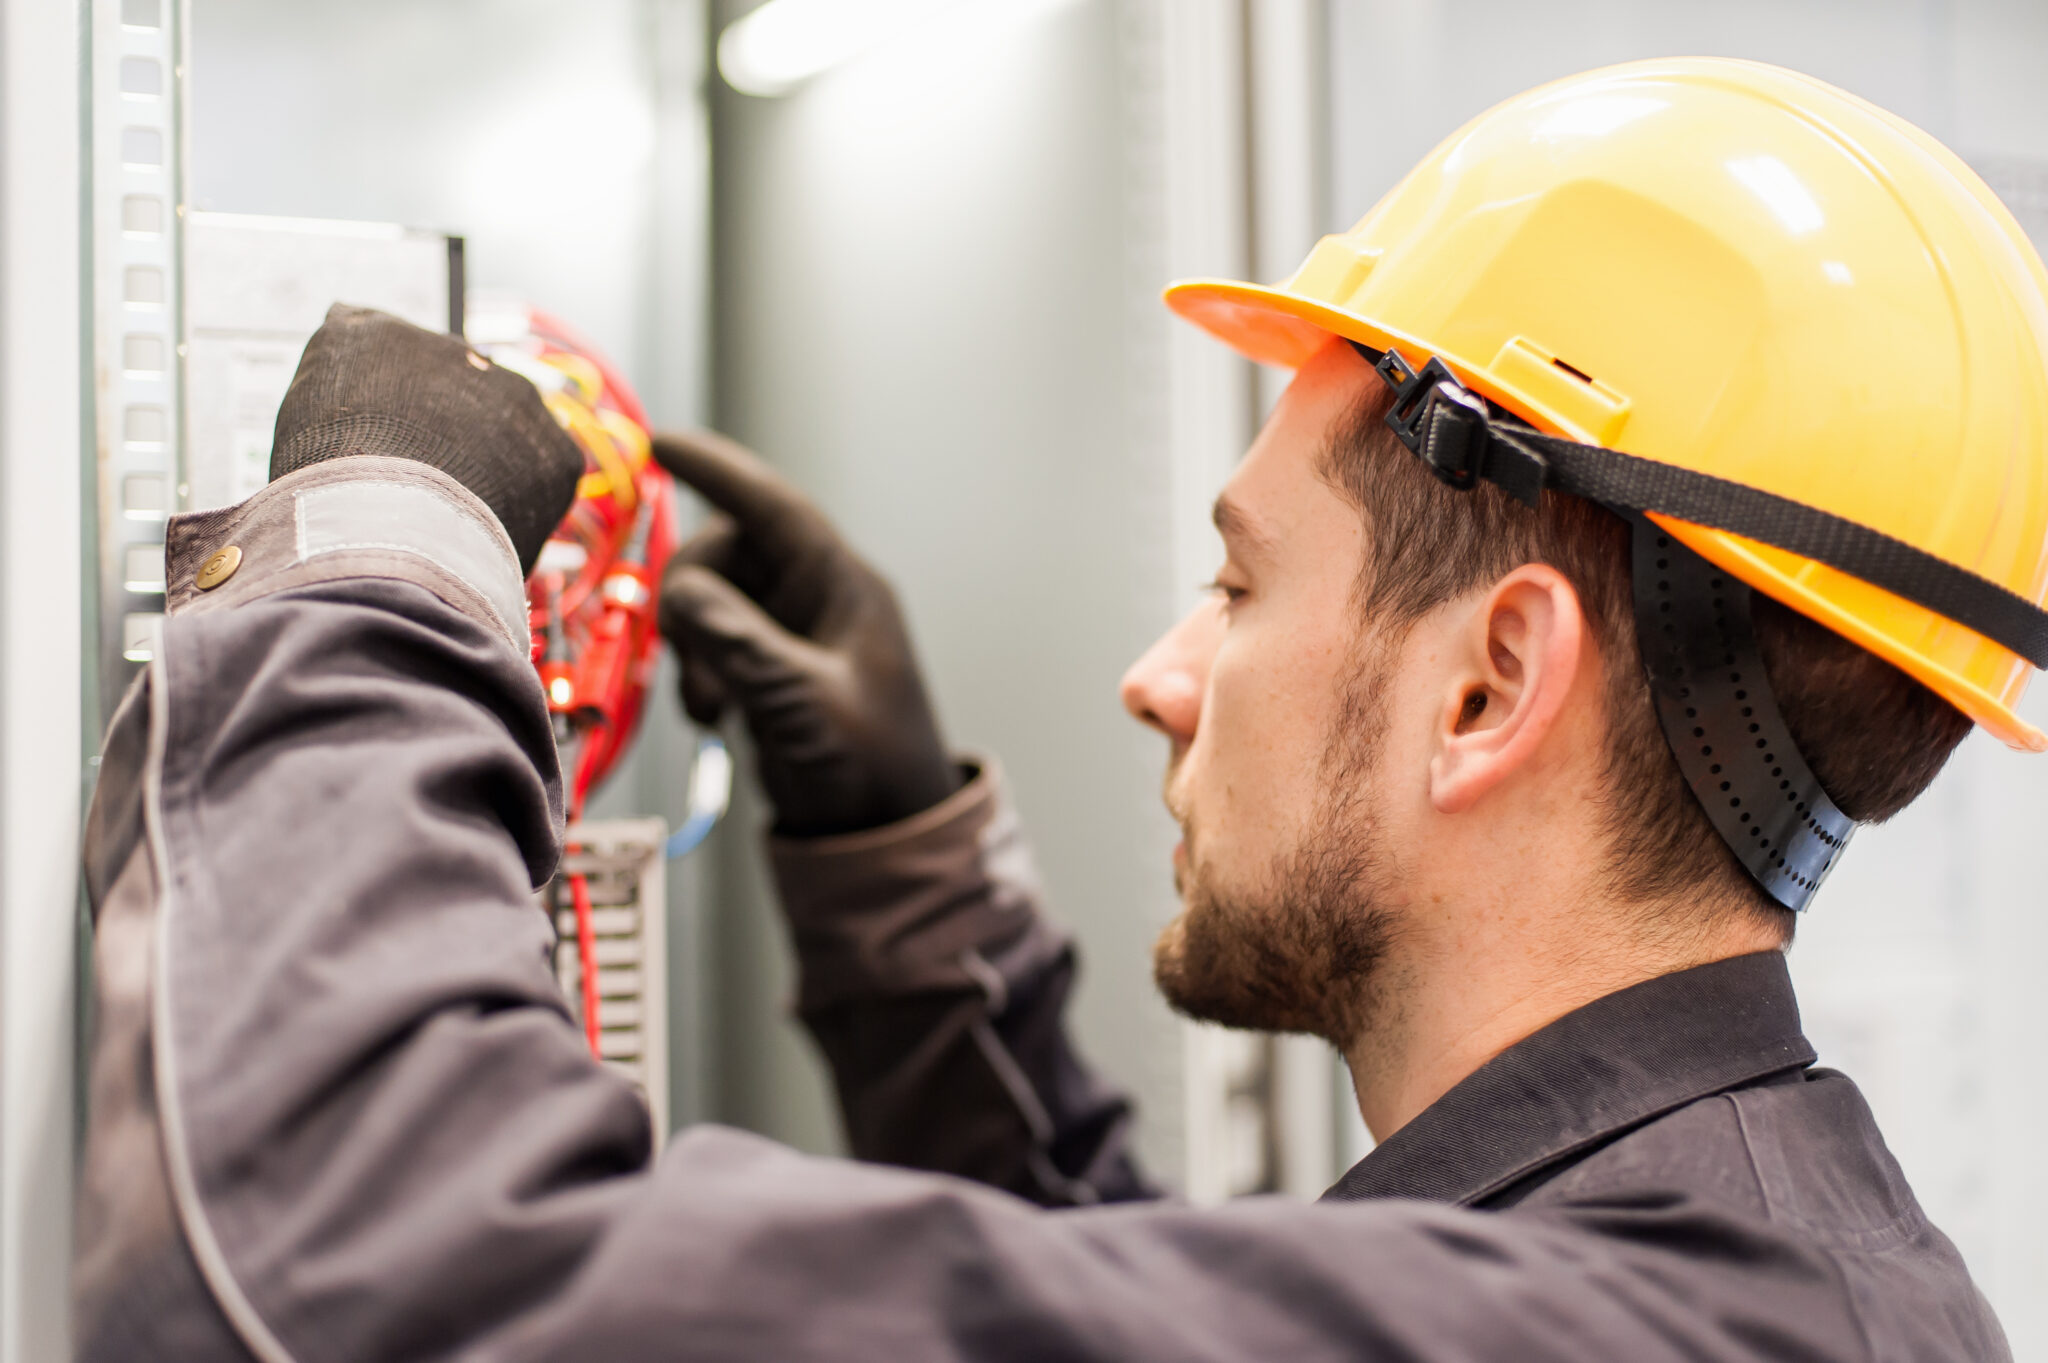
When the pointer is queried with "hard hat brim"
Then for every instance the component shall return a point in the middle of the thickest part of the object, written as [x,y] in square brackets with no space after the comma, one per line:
[1274,327]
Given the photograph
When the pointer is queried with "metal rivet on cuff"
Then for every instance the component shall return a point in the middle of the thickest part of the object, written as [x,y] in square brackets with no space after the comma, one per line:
[219,568]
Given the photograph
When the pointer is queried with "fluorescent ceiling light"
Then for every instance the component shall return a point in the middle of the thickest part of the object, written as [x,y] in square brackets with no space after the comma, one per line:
[784,43]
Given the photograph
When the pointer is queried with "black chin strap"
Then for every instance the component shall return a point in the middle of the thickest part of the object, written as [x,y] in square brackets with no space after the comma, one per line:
[1463,439]
[1699,649]
[1693,622]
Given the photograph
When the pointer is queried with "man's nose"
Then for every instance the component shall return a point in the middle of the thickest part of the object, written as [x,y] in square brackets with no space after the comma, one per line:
[1164,687]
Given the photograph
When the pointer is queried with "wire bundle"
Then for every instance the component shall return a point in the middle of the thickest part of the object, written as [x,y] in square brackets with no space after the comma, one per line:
[591,597]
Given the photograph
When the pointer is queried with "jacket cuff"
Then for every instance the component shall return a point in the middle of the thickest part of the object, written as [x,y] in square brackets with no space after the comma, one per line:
[924,904]
[353,517]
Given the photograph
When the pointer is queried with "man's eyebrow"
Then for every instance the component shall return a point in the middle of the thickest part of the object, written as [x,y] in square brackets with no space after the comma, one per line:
[1239,528]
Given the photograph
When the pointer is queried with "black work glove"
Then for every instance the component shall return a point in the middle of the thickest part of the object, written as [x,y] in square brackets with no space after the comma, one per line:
[371,384]
[768,609]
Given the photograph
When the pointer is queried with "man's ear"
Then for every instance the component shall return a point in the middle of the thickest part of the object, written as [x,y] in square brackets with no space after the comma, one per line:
[1520,655]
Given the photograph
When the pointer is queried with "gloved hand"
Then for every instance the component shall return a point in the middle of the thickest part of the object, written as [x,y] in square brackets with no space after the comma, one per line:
[769,609]
[371,384]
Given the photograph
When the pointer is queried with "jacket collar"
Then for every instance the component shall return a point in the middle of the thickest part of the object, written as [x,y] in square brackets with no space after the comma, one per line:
[1589,1076]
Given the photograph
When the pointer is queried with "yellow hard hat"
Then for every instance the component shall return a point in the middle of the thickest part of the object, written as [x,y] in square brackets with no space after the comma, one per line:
[1738,272]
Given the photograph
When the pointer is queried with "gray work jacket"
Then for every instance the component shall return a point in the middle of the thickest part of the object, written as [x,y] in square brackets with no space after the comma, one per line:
[339,1112]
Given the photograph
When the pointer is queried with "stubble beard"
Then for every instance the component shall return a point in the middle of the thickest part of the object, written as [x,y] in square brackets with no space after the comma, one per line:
[1305,946]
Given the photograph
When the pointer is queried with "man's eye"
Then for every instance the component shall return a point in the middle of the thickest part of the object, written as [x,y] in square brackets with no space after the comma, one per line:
[1231,595]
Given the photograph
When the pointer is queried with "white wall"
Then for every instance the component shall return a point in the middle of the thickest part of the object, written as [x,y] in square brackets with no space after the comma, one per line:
[527,126]
[938,310]
[41,636]
[1919,966]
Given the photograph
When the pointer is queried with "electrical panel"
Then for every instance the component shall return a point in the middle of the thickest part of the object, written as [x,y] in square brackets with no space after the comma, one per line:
[204,317]
[256,289]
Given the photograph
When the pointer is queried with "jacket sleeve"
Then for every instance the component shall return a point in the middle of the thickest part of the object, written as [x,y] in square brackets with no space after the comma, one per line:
[935,986]
[339,1112]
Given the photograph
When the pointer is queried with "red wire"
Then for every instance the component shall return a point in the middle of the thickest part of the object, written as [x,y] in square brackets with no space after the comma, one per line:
[579,895]
[586,952]
[602,530]
[600,536]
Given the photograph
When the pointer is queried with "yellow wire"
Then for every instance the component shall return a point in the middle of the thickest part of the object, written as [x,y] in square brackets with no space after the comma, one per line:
[582,373]
[615,470]
[630,435]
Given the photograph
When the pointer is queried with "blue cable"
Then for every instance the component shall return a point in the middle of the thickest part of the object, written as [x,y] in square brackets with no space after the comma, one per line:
[710,793]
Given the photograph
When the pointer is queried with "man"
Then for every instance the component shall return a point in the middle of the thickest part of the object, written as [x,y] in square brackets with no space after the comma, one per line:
[1492,771]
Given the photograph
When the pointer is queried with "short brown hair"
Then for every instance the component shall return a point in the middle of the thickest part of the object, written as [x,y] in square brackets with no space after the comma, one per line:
[1875,737]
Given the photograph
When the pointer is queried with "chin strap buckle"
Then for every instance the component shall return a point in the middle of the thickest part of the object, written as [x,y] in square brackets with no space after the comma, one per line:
[1454,433]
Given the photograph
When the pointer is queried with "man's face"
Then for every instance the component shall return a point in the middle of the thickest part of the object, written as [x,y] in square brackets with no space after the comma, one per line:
[1275,699]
